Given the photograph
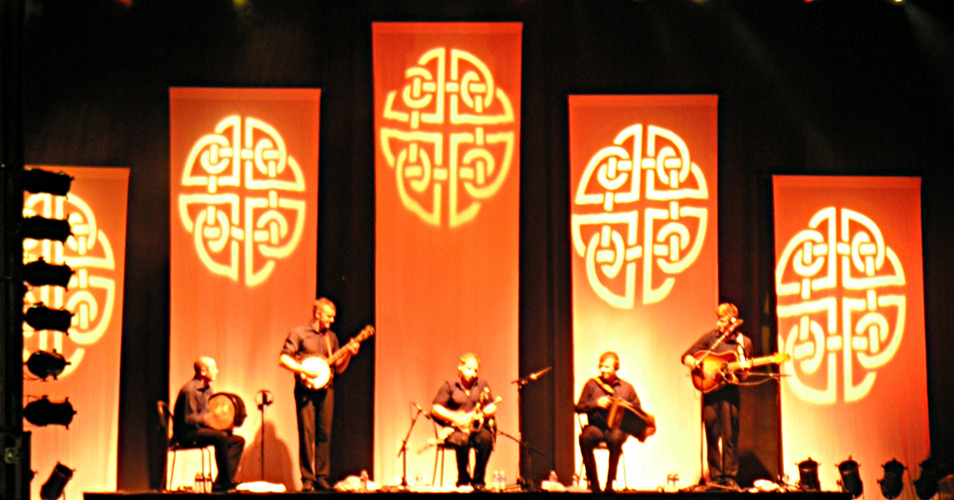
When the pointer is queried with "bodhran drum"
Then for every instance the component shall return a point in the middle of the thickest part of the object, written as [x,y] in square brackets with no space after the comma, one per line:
[227,410]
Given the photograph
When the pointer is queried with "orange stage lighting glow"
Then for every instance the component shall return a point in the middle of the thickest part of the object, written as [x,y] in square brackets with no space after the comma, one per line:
[849,287]
[643,208]
[447,172]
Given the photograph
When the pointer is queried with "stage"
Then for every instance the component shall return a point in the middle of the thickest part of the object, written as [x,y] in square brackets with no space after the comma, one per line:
[518,495]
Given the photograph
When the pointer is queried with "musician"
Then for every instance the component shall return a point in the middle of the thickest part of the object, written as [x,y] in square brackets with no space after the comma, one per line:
[315,408]
[720,408]
[193,424]
[455,405]
[595,400]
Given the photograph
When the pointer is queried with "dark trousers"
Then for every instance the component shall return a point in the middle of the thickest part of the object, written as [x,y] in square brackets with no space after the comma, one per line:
[228,452]
[315,412]
[482,442]
[721,418]
[590,438]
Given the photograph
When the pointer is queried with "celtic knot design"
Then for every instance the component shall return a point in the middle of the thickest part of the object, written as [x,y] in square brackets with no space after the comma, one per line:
[450,129]
[91,292]
[840,304]
[247,210]
[645,175]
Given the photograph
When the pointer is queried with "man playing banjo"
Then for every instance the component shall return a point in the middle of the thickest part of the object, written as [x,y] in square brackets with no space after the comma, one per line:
[194,424]
[304,353]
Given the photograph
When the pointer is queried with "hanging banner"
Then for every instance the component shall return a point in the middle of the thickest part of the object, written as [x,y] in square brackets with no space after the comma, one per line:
[850,294]
[447,139]
[96,210]
[243,253]
[643,212]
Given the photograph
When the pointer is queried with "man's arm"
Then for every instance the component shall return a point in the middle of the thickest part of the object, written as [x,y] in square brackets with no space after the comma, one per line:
[291,364]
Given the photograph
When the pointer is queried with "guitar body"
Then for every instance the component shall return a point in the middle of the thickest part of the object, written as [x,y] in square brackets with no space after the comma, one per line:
[711,373]
[322,366]
[715,370]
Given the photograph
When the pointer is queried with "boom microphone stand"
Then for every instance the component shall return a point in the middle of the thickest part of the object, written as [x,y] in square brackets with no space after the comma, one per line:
[527,484]
[403,451]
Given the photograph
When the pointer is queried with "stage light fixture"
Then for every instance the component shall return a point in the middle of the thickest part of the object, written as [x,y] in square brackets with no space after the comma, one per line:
[893,481]
[41,317]
[850,478]
[43,412]
[39,273]
[36,180]
[42,228]
[56,483]
[45,364]
[926,484]
[808,475]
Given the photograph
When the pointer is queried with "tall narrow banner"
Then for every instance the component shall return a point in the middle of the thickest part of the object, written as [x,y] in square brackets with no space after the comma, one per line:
[96,210]
[645,261]
[243,253]
[850,292]
[447,139]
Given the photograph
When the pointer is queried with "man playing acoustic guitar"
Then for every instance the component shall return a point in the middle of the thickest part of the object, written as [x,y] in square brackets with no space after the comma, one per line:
[195,425]
[467,407]
[315,405]
[720,401]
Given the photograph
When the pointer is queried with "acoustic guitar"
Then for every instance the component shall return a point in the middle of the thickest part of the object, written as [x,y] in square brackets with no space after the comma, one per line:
[322,366]
[716,370]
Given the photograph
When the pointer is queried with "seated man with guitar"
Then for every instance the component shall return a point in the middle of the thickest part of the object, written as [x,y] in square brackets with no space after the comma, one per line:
[720,400]
[195,424]
[465,406]
[599,396]
[311,353]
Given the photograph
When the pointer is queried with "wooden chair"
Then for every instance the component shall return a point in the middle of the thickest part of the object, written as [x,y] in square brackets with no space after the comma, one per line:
[207,451]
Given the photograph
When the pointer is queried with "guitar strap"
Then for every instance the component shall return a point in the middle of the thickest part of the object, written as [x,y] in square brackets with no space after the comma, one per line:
[606,387]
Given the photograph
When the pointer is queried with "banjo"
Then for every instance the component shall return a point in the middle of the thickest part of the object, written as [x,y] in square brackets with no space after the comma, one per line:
[322,366]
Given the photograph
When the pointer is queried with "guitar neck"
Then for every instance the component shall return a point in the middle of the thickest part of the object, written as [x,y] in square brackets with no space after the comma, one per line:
[367,332]
[760,361]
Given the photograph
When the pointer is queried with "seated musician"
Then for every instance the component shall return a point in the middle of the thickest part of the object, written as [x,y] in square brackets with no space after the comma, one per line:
[466,406]
[595,401]
[194,424]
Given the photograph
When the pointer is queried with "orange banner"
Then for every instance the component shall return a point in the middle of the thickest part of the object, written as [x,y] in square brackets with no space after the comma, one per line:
[850,292]
[643,212]
[96,210]
[243,252]
[447,137]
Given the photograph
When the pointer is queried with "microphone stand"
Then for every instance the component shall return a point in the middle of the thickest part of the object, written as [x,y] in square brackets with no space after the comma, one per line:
[261,406]
[526,484]
[403,451]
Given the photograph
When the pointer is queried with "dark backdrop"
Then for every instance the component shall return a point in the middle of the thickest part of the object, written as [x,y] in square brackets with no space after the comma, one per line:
[825,87]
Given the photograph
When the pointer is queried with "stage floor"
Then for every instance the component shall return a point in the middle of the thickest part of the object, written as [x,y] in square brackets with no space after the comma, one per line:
[518,495]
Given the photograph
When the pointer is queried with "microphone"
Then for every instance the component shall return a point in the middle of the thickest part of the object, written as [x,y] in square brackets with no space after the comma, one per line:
[267,399]
[536,375]
[421,410]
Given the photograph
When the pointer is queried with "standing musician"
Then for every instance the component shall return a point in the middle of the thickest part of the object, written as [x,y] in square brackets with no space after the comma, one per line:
[466,404]
[720,408]
[194,425]
[595,401]
[315,407]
